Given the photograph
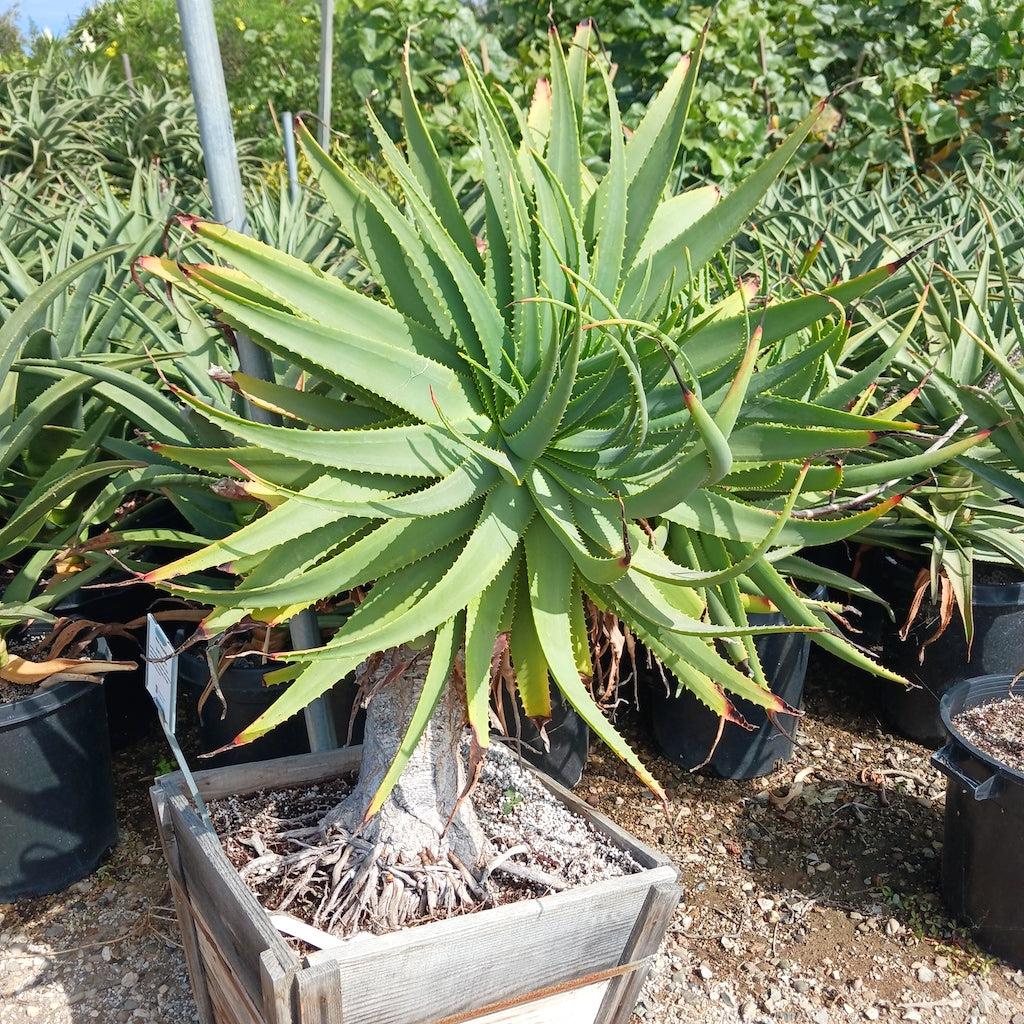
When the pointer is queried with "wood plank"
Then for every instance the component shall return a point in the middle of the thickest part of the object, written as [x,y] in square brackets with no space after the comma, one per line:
[179,893]
[643,943]
[231,1002]
[593,929]
[242,779]
[490,957]
[319,997]
[277,981]
[219,902]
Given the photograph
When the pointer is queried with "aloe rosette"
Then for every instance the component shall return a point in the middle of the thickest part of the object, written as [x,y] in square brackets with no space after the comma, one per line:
[501,432]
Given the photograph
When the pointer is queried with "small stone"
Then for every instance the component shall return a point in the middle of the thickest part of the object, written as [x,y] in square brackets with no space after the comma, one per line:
[821,1017]
[705,971]
[766,904]
[802,985]
[128,979]
[55,931]
[748,1009]
[872,1013]
[823,867]
[893,927]
[911,1015]
[1017,1018]
[925,975]
[105,954]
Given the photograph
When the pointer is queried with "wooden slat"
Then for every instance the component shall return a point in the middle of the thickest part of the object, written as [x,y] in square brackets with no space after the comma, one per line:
[239,929]
[464,966]
[242,779]
[644,941]
[490,957]
[277,981]
[319,997]
[232,1004]
[186,926]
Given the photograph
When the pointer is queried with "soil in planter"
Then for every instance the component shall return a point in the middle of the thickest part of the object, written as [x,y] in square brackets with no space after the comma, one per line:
[996,729]
[539,845]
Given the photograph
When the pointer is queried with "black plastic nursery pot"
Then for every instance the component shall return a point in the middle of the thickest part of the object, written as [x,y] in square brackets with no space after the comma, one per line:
[997,648]
[247,697]
[131,713]
[685,729]
[57,812]
[568,739]
[983,844]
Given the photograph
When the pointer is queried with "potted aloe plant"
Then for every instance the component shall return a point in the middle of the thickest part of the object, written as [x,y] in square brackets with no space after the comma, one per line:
[947,559]
[983,758]
[950,558]
[480,455]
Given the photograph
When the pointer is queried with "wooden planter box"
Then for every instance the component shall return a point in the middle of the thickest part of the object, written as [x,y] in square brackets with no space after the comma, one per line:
[577,956]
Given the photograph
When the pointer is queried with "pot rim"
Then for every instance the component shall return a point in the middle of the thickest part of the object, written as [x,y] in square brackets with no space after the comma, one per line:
[42,703]
[994,686]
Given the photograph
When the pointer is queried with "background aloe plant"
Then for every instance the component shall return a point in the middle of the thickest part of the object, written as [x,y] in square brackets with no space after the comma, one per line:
[493,445]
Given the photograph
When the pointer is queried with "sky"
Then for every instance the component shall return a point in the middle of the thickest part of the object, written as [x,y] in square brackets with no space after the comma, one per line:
[56,15]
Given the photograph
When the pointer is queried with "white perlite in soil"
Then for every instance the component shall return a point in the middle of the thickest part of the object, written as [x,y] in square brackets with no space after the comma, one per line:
[518,813]
[997,729]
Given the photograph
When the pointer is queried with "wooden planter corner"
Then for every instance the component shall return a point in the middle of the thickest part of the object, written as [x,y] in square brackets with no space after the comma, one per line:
[578,956]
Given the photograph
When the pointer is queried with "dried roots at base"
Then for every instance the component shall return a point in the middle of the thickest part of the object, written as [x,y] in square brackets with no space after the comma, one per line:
[352,885]
[345,884]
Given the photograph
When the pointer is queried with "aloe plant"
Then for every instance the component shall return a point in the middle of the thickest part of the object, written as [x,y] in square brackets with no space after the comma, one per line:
[63,113]
[959,363]
[496,442]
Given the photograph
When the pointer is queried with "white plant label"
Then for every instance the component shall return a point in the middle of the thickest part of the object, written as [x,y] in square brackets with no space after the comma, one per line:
[161,672]
[162,684]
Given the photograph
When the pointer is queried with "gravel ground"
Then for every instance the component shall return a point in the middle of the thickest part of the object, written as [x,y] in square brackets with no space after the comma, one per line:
[810,896]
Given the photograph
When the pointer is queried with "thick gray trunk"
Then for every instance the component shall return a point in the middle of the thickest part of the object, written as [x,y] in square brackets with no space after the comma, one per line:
[414,820]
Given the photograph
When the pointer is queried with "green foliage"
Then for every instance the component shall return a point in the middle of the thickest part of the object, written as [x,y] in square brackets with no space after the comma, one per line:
[949,328]
[81,354]
[495,440]
[930,74]
[63,119]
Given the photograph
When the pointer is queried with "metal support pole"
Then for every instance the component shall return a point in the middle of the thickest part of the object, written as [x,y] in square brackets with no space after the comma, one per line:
[288,129]
[206,73]
[326,69]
